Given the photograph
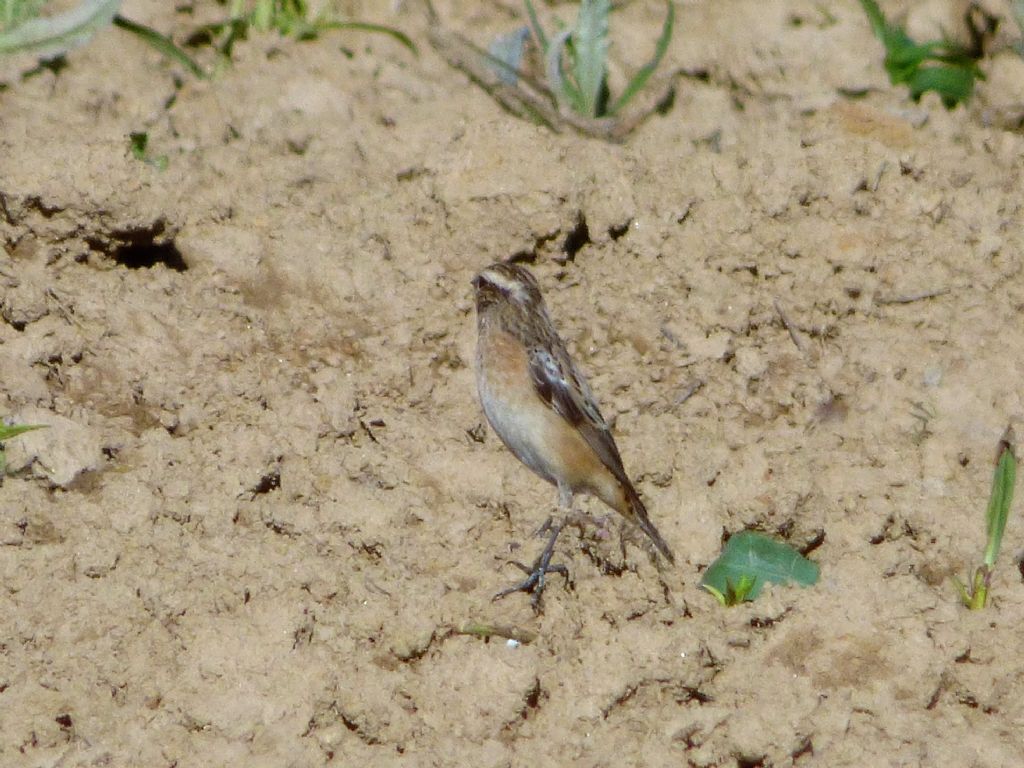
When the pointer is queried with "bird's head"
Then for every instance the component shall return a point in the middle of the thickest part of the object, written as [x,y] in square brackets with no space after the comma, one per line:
[505,282]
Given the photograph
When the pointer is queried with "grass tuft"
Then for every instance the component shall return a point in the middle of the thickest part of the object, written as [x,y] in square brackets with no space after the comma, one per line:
[975,595]
[576,60]
[942,66]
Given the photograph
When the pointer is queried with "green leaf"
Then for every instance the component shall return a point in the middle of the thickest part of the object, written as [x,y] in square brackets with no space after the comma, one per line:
[58,34]
[565,92]
[904,57]
[138,144]
[938,65]
[953,84]
[749,555]
[7,431]
[644,73]
[263,16]
[505,54]
[538,30]
[161,43]
[999,501]
[590,49]
[398,35]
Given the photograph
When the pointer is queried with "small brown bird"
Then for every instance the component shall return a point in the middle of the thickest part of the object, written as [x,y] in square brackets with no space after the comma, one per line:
[542,408]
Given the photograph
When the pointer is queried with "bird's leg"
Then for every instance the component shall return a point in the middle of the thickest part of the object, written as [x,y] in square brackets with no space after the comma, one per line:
[536,575]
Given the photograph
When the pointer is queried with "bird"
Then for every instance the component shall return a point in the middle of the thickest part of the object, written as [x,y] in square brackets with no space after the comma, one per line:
[539,403]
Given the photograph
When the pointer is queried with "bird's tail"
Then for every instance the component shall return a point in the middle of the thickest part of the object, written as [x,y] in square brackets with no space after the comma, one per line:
[638,514]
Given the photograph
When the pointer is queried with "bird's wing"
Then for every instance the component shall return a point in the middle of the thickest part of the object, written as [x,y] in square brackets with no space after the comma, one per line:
[563,387]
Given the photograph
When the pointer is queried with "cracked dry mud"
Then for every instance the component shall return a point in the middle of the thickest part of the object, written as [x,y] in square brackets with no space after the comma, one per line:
[266,501]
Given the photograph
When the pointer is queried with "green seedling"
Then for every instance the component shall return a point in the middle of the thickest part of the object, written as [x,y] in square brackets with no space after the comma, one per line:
[748,561]
[942,66]
[289,18]
[975,595]
[138,144]
[576,60]
[734,593]
[161,43]
[7,431]
[23,30]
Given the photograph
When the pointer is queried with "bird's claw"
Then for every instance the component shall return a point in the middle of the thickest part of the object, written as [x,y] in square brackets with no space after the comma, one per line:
[536,575]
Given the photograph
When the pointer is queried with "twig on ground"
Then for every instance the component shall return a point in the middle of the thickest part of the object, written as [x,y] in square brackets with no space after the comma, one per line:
[910,298]
[508,631]
[687,392]
[793,333]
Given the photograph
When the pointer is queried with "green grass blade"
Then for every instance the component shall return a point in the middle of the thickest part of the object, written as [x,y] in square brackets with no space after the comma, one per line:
[58,34]
[590,47]
[12,430]
[904,58]
[644,74]
[538,30]
[161,43]
[999,501]
[953,84]
[263,16]
[398,35]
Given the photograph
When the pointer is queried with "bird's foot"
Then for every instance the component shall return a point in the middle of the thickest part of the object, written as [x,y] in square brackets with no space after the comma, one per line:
[536,575]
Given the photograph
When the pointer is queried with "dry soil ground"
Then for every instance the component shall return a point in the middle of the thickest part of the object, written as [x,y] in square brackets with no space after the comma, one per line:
[266,497]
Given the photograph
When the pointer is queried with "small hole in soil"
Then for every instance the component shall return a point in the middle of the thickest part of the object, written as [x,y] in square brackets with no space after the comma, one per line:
[665,104]
[146,255]
[533,695]
[576,239]
[140,248]
[617,231]
[269,482]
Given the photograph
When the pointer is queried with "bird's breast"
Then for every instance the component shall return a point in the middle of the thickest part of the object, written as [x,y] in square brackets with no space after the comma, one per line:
[539,437]
[511,403]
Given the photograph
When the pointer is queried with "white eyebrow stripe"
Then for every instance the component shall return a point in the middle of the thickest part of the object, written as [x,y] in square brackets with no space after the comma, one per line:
[510,285]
